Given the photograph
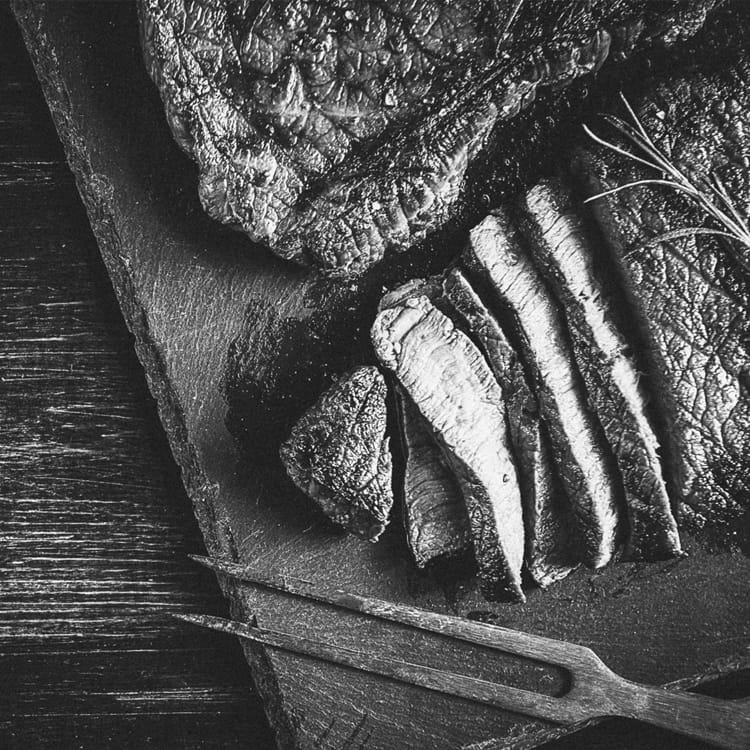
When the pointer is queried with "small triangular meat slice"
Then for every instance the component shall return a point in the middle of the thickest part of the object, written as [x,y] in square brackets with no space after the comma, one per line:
[550,553]
[582,455]
[565,254]
[437,526]
[450,383]
[338,453]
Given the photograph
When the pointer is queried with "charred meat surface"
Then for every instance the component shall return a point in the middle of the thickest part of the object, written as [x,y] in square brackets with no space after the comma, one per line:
[435,518]
[550,553]
[338,453]
[496,254]
[565,253]
[335,131]
[691,293]
[451,385]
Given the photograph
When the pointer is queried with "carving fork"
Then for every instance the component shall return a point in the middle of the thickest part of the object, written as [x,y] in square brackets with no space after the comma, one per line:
[595,692]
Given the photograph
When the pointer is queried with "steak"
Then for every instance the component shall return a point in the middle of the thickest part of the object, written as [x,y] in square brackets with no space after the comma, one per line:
[566,254]
[496,255]
[437,526]
[338,453]
[453,388]
[550,555]
[691,294]
[336,131]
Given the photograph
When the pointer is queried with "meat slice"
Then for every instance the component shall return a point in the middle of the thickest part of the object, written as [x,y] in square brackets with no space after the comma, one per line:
[550,553]
[338,453]
[451,385]
[437,525]
[566,254]
[691,293]
[496,254]
[334,131]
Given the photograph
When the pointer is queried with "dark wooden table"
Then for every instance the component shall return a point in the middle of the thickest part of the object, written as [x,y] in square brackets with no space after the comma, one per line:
[95,527]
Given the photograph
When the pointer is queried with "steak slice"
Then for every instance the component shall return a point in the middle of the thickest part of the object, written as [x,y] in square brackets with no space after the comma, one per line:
[495,253]
[334,131]
[437,525]
[691,294]
[549,553]
[566,254]
[338,454]
[451,385]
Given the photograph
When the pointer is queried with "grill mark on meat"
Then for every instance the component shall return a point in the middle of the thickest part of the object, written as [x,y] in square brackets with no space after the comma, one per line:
[549,553]
[565,253]
[335,132]
[338,454]
[496,254]
[437,526]
[452,387]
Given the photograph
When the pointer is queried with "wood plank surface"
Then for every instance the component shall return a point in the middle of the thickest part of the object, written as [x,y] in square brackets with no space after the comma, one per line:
[95,526]
[188,289]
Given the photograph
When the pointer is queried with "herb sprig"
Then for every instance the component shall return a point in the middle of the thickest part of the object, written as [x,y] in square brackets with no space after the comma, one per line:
[708,192]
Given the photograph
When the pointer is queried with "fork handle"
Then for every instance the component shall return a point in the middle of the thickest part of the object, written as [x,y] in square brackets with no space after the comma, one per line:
[724,723]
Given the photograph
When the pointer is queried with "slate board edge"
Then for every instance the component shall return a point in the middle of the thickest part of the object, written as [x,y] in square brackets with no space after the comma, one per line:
[95,192]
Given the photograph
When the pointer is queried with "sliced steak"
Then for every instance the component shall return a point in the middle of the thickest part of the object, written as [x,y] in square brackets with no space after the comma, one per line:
[550,554]
[334,131]
[450,383]
[496,254]
[435,518]
[566,253]
[338,454]
[690,294]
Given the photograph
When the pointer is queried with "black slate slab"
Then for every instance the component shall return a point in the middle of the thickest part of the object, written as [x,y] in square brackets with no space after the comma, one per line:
[188,288]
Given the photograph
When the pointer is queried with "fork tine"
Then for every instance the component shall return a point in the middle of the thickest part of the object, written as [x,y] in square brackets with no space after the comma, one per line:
[567,655]
[558,710]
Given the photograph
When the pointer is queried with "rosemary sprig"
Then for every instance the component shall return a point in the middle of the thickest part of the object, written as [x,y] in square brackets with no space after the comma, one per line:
[708,193]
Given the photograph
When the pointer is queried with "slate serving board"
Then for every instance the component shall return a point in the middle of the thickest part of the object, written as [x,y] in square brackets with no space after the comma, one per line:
[188,288]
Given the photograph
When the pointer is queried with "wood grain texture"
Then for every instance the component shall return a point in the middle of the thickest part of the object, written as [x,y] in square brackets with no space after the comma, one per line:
[95,526]
[185,286]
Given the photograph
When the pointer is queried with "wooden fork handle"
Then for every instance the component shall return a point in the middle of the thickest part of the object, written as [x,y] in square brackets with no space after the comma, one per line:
[724,723]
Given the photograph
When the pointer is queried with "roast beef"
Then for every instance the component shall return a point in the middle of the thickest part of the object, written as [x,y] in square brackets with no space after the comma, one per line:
[691,294]
[496,254]
[435,518]
[566,253]
[453,388]
[550,551]
[334,131]
[338,453]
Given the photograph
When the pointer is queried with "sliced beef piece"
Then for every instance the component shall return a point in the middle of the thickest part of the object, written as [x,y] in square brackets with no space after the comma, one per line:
[565,253]
[550,553]
[496,254]
[435,518]
[451,385]
[430,287]
[690,294]
[338,453]
[334,131]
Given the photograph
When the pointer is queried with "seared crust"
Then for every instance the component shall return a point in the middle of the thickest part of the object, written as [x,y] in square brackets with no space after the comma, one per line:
[338,453]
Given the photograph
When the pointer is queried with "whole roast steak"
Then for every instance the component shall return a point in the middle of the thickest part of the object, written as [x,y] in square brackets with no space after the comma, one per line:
[336,131]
